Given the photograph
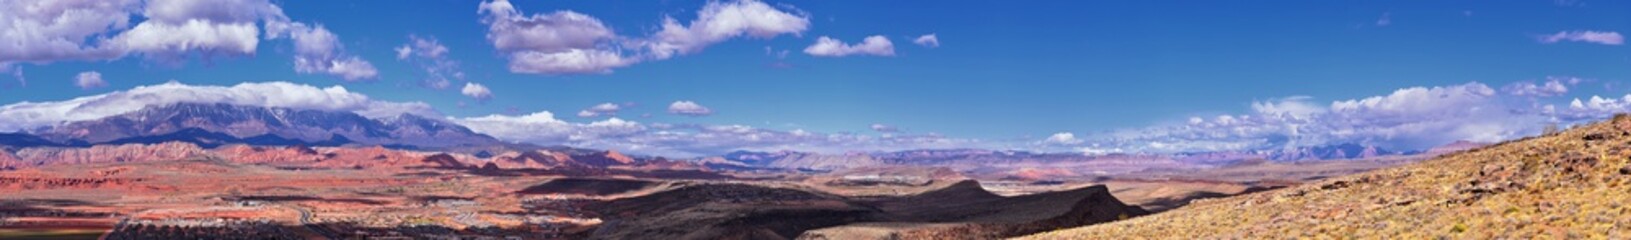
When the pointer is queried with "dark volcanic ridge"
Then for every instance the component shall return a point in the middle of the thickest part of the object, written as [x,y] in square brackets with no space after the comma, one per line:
[745,211]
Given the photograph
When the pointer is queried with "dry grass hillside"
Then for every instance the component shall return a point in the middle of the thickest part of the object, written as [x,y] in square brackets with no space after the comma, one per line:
[1571,185]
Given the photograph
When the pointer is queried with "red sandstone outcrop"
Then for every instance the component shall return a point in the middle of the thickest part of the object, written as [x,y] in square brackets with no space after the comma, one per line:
[546,159]
[604,159]
[539,159]
[341,157]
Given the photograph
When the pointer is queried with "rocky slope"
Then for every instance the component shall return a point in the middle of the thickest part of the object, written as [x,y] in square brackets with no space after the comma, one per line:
[964,210]
[1573,184]
[1456,146]
[958,210]
[557,158]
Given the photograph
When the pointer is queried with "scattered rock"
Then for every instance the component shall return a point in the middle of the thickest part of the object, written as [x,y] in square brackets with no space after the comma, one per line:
[1334,185]
[1595,137]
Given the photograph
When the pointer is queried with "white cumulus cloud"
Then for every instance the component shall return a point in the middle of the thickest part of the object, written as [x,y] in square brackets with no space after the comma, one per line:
[603,109]
[561,42]
[1598,37]
[927,40]
[89,80]
[511,30]
[1595,107]
[544,128]
[1552,87]
[431,56]
[42,32]
[319,51]
[568,42]
[1062,138]
[722,20]
[568,61]
[1290,107]
[476,91]
[689,108]
[421,47]
[167,40]
[829,47]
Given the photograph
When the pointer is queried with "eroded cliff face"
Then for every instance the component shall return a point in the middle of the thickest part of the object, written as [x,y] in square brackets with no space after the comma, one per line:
[540,159]
[339,157]
[38,156]
[8,159]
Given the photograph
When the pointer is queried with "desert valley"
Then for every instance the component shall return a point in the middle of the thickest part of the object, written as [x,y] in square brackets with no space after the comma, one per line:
[213,170]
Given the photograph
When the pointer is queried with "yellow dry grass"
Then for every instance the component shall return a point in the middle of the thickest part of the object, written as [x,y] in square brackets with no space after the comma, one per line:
[1570,185]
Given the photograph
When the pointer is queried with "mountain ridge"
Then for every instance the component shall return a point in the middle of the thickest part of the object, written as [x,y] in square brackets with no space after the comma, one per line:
[786,159]
[216,124]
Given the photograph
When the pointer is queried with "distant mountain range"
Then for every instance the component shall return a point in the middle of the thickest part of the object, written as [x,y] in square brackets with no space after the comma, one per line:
[1328,152]
[1007,162]
[792,159]
[973,161]
[211,125]
[23,140]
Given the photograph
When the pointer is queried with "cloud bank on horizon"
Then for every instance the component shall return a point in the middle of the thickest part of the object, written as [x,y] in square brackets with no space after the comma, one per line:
[1413,118]
[32,115]
[1408,118]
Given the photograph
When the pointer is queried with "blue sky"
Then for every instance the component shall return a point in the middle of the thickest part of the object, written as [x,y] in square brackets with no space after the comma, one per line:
[1015,73]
